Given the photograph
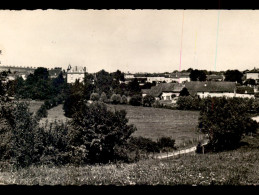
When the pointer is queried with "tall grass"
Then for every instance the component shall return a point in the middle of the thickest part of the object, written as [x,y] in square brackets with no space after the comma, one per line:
[238,167]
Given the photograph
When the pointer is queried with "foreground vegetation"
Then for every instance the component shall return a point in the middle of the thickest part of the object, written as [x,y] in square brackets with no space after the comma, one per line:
[237,167]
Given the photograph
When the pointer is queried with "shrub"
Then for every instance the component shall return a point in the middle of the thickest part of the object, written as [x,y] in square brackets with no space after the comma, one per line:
[124,100]
[115,99]
[143,144]
[225,121]
[148,100]
[188,103]
[166,143]
[25,138]
[94,97]
[42,112]
[135,100]
[99,130]
[103,97]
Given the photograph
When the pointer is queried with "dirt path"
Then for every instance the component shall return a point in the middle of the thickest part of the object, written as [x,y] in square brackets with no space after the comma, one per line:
[184,151]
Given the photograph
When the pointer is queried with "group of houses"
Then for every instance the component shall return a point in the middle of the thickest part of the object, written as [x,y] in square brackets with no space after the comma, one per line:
[179,77]
[169,91]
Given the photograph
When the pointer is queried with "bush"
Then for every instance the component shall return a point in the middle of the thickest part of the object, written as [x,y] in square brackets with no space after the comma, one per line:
[135,100]
[148,100]
[165,143]
[143,144]
[21,137]
[42,112]
[188,103]
[94,97]
[225,121]
[116,99]
[103,98]
[99,130]
[124,100]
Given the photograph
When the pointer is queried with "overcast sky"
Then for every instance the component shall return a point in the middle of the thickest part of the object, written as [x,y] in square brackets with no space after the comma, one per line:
[131,40]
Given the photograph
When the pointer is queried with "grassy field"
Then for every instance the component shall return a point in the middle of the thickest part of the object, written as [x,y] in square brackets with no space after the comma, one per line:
[238,167]
[150,122]
[157,122]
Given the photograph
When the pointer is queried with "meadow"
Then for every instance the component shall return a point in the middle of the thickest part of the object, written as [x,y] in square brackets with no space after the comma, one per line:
[151,122]
[158,122]
[237,167]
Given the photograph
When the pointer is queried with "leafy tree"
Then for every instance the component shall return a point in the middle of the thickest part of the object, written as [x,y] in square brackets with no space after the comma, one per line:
[134,87]
[135,100]
[104,81]
[188,103]
[250,82]
[118,76]
[21,137]
[198,75]
[98,130]
[234,76]
[225,121]
[184,92]
[148,100]
[74,98]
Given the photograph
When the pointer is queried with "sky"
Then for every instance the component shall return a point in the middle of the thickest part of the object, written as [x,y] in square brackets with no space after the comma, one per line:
[131,40]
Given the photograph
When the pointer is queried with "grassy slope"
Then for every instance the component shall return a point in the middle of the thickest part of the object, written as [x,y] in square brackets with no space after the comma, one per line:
[238,167]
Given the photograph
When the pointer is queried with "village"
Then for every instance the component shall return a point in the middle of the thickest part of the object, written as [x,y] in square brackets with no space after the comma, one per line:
[129,98]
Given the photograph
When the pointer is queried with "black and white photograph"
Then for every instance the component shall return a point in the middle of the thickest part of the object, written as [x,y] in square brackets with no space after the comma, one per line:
[123,97]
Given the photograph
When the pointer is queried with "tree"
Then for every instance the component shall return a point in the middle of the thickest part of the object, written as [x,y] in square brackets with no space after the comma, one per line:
[198,75]
[225,121]
[94,97]
[89,86]
[115,98]
[20,136]
[184,92]
[124,99]
[104,81]
[148,100]
[250,82]
[134,87]
[234,76]
[103,98]
[74,98]
[135,100]
[99,130]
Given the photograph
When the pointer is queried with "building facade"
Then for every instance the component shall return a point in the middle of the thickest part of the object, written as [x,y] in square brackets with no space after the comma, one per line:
[75,73]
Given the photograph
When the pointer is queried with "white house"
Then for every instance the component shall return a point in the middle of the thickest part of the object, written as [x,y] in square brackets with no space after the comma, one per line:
[74,73]
[211,88]
[163,91]
[253,74]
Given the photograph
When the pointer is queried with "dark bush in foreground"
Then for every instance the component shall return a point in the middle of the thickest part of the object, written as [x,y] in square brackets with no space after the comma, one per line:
[225,121]
[21,138]
[95,131]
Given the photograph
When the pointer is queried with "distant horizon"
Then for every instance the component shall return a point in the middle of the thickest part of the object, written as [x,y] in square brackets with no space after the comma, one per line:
[131,40]
[49,68]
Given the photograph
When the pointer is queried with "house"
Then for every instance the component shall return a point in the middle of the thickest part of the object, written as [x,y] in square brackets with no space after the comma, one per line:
[214,77]
[253,74]
[75,73]
[245,92]
[163,91]
[180,77]
[204,89]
